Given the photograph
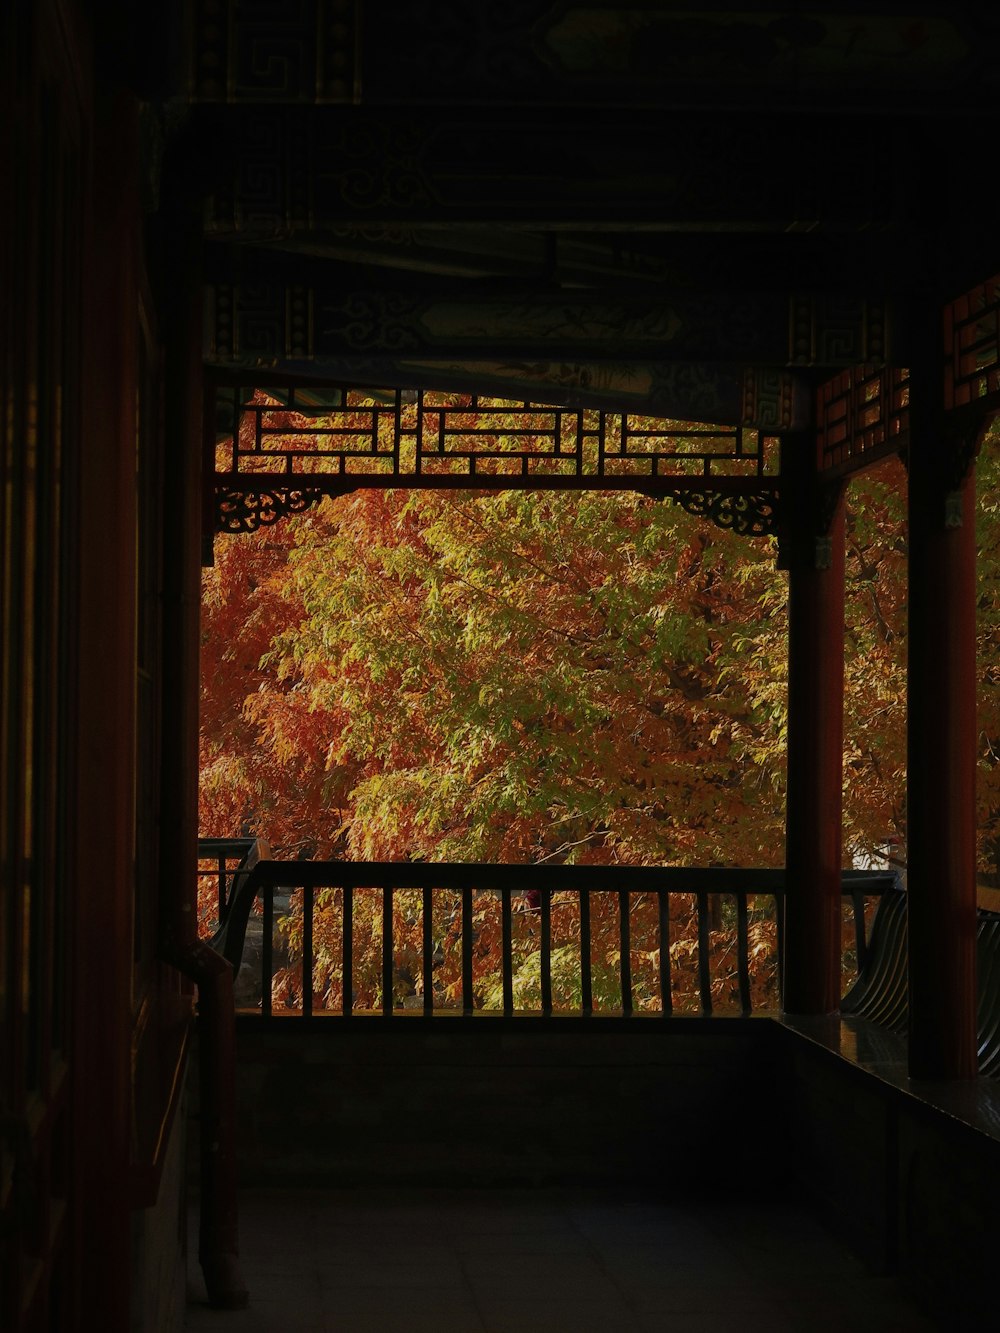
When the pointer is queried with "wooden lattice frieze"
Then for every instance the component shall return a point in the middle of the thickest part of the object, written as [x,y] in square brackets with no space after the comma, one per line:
[273,451]
[861,415]
[334,436]
[972,341]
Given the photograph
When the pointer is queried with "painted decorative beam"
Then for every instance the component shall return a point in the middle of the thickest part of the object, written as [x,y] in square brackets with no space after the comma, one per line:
[763,398]
[596,53]
[278,170]
[724,394]
[262,322]
[881,57]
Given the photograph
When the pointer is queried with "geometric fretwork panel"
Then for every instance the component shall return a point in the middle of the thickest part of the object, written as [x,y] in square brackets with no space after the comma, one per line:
[273,51]
[334,438]
[972,340]
[862,414]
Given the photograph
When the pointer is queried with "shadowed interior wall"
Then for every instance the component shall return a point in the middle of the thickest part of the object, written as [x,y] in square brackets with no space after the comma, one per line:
[455,1108]
[160,1243]
[728,1106]
[905,1183]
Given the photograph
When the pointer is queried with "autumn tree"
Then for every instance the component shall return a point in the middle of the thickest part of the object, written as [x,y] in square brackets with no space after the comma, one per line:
[515,677]
[544,677]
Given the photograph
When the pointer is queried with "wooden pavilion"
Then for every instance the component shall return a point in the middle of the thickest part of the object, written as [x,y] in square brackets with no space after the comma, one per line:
[775,222]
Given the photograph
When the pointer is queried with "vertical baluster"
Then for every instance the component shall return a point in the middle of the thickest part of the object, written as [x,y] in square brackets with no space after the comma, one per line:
[223,896]
[266,951]
[467,1002]
[586,985]
[386,951]
[507,960]
[307,951]
[779,923]
[704,975]
[347,999]
[546,951]
[397,434]
[663,912]
[743,951]
[420,429]
[428,950]
[625,948]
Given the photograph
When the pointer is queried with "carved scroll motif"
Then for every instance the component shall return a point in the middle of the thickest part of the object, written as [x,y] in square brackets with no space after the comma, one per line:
[246,511]
[753,514]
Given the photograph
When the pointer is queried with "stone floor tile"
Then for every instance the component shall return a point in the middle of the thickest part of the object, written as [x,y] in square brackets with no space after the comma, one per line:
[694,1254]
[276,1285]
[885,1317]
[524,1246]
[552,1262]
[262,1316]
[437,1276]
[555,1277]
[714,1321]
[507,1222]
[518,1315]
[684,1297]
[388,1254]
[407,1309]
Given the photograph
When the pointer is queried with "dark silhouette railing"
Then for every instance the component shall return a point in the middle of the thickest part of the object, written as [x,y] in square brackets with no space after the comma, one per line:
[718,905]
[880,993]
[224,863]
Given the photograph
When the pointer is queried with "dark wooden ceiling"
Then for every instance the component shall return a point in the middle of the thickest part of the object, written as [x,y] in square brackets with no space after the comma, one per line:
[425,190]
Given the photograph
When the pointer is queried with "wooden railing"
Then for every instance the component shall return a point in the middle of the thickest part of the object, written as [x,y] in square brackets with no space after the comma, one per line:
[462,919]
[222,863]
[881,994]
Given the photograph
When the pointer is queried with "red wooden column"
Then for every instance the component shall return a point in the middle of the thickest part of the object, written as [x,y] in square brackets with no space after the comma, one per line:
[813,842]
[941,736]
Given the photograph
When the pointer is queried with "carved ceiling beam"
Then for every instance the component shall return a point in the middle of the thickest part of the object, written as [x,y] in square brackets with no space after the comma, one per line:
[601,53]
[262,322]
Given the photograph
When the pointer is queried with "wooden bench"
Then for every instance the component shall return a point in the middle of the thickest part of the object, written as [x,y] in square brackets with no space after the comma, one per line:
[880,992]
[231,934]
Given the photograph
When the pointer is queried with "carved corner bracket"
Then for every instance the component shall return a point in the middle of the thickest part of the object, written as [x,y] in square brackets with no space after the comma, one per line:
[748,513]
[246,511]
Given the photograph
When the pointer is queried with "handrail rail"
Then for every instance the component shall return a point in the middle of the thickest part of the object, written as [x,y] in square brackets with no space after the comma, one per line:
[537,881]
[245,850]
[497,875]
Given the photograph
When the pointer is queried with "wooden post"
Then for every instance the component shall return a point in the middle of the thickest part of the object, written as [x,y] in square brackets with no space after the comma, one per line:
[101,940]
[941,736]
[813,834]
[218,1247]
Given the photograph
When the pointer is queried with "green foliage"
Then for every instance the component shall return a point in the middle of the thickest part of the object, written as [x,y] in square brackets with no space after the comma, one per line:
[525,676]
